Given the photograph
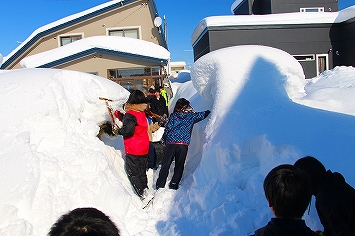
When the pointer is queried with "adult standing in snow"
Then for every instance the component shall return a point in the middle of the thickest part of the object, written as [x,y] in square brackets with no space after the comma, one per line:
[134,129]
[158,104]
[177,137]
[335,199]
[288,192]
[164,94]
[151,95]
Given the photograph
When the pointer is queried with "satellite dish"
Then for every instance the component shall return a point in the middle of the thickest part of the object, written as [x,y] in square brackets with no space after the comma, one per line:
[157,21]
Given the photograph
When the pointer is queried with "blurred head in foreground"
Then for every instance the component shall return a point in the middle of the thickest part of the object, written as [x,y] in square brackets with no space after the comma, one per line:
[288,191]
[314,168]
[84,221]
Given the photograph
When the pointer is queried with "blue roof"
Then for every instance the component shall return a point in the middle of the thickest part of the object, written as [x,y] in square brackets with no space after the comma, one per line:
[103,51]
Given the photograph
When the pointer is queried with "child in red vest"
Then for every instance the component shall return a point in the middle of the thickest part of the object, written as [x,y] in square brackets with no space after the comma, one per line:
[134,129]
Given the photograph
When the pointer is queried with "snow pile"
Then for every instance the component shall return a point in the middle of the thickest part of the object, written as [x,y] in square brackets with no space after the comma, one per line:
[327,93]
[182,77]
[178,79]
[51,160]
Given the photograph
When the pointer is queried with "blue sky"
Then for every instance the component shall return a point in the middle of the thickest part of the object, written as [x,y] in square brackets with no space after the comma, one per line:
[182,17]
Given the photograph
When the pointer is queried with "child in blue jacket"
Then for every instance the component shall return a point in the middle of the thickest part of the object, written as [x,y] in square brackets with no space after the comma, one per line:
[177,136]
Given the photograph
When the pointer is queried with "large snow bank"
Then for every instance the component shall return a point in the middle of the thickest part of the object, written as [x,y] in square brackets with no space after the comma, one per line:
[51,160]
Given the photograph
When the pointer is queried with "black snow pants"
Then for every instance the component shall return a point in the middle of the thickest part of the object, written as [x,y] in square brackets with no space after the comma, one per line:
[136,171]
[175,152]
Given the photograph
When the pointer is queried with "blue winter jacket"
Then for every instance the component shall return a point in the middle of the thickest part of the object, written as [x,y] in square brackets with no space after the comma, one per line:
[179,127]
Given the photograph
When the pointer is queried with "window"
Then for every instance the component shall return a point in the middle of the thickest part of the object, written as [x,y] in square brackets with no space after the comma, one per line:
[129,33]
[312,9]
[69,39]
[309,57]
[137,78]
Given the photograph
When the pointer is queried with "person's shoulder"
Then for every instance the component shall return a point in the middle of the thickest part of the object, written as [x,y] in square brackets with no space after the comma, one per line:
[130,115]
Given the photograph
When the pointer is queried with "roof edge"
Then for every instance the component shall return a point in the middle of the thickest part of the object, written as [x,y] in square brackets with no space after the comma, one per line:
[103,51]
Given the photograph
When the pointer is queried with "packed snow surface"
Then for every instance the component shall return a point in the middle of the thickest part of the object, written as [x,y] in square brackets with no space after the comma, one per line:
[264,113]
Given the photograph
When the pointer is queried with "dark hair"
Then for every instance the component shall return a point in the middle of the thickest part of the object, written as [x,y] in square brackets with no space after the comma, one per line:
[151,90]
[314,168]
[84,221]
[288,191]
[181,103]
[137,97]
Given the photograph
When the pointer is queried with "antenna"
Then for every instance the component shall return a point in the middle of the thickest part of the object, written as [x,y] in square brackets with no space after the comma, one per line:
[165,30]
[158,21]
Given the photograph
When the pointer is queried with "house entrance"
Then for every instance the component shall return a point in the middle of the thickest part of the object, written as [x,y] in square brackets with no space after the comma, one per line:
[322,63]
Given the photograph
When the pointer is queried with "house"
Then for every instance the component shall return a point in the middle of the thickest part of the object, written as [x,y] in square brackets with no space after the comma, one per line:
[176,66]
[112,40]
[317,37]
[261,7]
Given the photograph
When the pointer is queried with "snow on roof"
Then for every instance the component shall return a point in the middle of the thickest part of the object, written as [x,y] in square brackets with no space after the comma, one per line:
[235,4]
[60,22]
[293,18]
[178,63]
[112,43]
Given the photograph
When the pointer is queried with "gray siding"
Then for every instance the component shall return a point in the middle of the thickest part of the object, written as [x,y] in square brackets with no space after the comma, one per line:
[306,39]
[260,7]
[283,6]
[243,9]
[343,43]
[202,47]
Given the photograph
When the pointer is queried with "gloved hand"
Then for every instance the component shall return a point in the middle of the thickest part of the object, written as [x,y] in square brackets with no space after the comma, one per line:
[207,113]
[118,115]
[118,123]
[163,120]
[115,131]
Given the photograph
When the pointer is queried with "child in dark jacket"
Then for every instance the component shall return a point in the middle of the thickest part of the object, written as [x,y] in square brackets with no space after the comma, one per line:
[288,191]
[177,136]
[335,199]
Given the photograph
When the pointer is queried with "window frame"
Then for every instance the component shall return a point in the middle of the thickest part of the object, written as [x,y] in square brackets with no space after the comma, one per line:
[311,9]
[326,61]
[69,35]
[307,57]
[142,82]
[138,28]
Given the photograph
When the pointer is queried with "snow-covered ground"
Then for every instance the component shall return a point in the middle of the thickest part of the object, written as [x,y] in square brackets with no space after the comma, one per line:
[264,113]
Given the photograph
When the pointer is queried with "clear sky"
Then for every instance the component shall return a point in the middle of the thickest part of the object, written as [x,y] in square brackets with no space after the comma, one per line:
[19,18]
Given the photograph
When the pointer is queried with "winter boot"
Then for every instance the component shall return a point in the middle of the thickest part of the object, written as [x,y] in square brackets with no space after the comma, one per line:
[147,197]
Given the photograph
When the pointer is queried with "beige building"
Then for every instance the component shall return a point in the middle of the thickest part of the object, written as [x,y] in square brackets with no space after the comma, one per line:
[177,66]
[136,62]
